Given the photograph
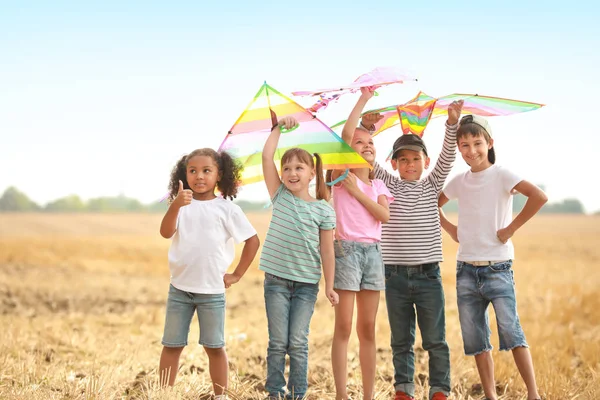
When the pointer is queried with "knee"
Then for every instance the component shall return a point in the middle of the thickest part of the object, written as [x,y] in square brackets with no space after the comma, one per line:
[298,344]
[212,352]
[438,343]
[172,351]
[343,330]
[366,331]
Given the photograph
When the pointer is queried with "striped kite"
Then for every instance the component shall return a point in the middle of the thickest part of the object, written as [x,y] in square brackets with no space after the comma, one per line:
[246,138]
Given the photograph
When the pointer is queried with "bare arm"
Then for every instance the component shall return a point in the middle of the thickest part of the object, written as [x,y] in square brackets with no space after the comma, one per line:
[536,198]
[248,253]
[379,209]
[352,121]
[448,226]
[270,174]
[168,226]
[328,260]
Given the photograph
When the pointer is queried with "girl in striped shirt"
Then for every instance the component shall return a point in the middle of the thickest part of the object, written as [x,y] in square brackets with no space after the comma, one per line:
[299,240]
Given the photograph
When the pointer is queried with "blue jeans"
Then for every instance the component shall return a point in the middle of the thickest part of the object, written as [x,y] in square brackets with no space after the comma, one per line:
[420,287]
[476,288]
[290,307]
[181,307]
[358,266]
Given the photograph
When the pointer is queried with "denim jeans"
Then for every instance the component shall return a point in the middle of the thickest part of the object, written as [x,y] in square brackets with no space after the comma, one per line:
[358,266]
[290,307]
[476,288]
[420,287]
[180,310]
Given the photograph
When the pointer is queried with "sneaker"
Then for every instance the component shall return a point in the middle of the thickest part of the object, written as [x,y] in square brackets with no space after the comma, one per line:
[403,396]
[439,396]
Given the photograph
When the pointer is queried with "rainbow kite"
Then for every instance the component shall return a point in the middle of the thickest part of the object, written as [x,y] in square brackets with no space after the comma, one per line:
[376,78]
[414,115]
[246,138]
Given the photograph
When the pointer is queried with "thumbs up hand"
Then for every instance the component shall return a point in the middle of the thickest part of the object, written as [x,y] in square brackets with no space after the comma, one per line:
[184,196]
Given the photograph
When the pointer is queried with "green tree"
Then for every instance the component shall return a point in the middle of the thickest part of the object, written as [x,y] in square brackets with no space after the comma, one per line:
[70,203]
[14,200]
[114,204]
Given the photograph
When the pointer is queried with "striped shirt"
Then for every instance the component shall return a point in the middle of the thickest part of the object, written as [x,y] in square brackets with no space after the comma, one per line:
[413,235]
[291,248]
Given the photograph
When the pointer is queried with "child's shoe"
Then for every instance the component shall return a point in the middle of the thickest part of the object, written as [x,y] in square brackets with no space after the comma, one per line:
[439,396]
[403,396]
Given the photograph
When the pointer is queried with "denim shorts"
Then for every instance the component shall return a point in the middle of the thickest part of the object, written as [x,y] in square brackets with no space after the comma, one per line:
[358,266]
[180,310]
[476,288]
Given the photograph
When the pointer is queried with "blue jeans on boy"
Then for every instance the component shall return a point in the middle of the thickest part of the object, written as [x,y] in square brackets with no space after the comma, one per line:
[476,288]
[420,287]
[290,307]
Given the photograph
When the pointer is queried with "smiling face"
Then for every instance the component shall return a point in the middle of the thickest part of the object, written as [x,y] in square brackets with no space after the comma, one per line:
[296,175]
[474,150]
[362,143]
[410,164]
[202,174]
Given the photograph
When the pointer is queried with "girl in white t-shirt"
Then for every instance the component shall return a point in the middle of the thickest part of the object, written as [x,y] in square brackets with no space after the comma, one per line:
[361,205]
[203,227]
[484,261]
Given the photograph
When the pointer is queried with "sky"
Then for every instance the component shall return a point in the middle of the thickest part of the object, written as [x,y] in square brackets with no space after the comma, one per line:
[102,98]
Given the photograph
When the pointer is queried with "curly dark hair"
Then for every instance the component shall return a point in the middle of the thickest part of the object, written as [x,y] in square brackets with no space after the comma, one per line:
[230,172]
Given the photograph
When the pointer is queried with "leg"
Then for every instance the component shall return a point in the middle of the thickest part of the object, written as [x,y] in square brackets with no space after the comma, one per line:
[277,304]
[430,304]
[485,368]
[180,310]
[524,363]
[339,348]
[211,318]
[512,337]
[218,368]
[367,303]
[169,365]
[302,307]
[474,323]
[401,315]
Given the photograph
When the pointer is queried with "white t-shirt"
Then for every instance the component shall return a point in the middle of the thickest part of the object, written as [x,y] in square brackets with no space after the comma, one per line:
[202,248]
[484,206]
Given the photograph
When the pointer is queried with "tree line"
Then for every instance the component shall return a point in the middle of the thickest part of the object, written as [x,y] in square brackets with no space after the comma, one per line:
[13,200]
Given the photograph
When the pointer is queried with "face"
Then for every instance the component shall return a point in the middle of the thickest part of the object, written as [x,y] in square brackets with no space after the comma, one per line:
[474,150]
[296,175]
[362,143]
[202,176]
[410,164]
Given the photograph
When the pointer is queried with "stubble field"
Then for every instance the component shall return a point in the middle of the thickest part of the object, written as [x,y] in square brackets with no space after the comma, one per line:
[82,302]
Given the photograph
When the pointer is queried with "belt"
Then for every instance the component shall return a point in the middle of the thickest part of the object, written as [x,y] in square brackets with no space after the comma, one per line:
[484,263]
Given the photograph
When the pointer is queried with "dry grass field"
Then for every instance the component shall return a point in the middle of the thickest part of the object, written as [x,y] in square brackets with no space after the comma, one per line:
[82,302]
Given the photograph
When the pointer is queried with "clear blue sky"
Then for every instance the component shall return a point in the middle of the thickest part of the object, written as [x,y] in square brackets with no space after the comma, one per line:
[101,99]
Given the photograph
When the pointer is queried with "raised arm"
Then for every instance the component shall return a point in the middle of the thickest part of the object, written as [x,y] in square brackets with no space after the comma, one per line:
[390,180]
[272,179]
[448,155]
[536,198]
[168,226]
[448,226]
[352,121]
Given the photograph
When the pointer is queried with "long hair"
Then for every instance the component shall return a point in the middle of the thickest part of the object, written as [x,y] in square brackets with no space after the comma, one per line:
[306,158]
[473,129]
[230,172]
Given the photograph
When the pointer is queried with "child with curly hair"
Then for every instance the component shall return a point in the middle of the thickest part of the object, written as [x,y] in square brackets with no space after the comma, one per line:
[203,227]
